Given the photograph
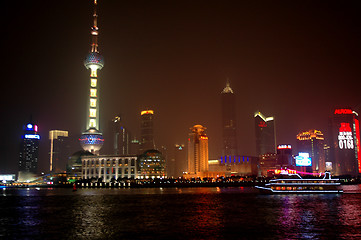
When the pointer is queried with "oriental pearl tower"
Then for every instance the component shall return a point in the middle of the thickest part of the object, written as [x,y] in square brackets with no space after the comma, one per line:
[92,139]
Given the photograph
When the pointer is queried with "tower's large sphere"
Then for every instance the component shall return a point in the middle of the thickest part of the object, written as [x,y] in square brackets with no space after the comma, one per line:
[94,59]
[91,141]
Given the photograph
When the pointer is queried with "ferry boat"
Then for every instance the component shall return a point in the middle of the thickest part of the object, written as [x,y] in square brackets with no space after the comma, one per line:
[293,183]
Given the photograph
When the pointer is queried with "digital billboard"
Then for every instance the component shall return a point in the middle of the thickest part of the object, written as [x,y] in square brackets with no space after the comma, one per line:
[303,160]
[345,138]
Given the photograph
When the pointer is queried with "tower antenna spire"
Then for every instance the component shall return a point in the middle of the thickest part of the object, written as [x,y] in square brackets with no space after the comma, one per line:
[94,29]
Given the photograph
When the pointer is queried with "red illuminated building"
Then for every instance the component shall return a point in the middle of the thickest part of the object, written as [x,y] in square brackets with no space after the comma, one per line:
[345,142]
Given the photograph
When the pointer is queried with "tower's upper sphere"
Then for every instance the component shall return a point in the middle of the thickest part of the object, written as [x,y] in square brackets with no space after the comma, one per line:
[94,59]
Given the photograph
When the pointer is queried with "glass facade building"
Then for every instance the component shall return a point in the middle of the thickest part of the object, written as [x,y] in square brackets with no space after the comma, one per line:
[229,122]
[29,149]
[265,134]
[146,130]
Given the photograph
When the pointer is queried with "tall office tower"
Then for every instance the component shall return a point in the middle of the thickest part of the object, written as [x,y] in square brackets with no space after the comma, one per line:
[134,146]
[265,134]
[118,138]
[146,130]
[229,122]
[344,142]
[312,142]
[197,151]
[29,149]
[92,139]
[59,150]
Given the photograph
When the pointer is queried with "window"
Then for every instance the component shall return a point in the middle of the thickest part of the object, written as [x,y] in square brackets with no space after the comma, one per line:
[92,123]
[93,82]
[93,102]
[92,112]
[93,92]
[93,72]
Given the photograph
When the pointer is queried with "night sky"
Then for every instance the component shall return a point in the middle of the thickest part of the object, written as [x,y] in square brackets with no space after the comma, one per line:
[294,60]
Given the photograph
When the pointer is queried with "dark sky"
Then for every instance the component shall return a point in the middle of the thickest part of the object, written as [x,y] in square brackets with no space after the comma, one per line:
[295,60]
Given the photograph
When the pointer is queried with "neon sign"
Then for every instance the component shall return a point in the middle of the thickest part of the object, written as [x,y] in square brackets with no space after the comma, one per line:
[303,160]
[32,136]
[285,171]
[288,146]
[262,124]
[345,138]
[147,112]
[357,128]
[343,111]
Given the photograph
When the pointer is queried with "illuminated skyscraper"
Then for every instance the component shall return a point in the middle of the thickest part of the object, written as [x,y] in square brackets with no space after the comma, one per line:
[146,130]
[229,122]
[29,149]
[344,142]
[92,139]
[197,151]
[312,142]
[118,138]
[265,134]
[59,150]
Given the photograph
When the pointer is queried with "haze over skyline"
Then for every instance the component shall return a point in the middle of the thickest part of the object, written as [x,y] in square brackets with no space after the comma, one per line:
[292,60]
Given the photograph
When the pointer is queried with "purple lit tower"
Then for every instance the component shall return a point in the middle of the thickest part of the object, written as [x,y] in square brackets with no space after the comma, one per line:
[92,139]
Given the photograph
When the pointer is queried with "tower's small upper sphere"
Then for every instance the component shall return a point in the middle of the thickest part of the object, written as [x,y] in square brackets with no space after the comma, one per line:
[94,59]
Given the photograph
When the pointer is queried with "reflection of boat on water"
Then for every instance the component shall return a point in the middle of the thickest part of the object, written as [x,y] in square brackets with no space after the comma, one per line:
[294,183]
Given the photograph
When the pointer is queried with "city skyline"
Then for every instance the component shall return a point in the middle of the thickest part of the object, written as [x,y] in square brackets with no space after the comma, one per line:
[294,61]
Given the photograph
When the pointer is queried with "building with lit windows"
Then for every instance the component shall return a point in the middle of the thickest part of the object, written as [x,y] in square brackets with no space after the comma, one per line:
[265,134]
[344,142]
[312,142]
[229,122]
[109,168]
[146,130]
[92,139]
[269,162]
[59,150]
[29,151]
[152,164]
[197,152]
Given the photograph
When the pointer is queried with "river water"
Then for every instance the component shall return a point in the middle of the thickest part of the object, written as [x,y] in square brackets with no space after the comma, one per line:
[178,213]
